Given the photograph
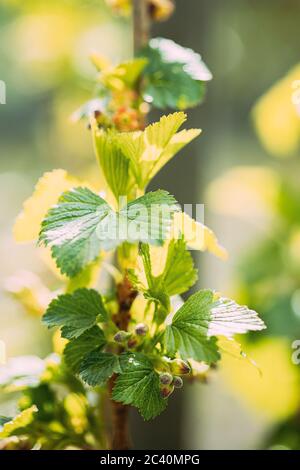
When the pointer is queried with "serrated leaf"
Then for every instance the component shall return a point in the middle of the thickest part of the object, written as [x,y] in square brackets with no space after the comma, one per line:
[70,229]
[18,424]
[75,313]
[47,192]
[77,349]
[149,150]
[175,76]
[202,317]
[138,385]
[188,332]
[98,367]
[115,165]
[228,318]
[83,223]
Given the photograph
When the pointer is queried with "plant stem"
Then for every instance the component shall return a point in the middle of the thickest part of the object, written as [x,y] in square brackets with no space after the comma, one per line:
[120,413]
[141,24]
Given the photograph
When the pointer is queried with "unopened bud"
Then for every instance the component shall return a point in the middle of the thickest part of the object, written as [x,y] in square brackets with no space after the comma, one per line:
[180,367]
[178,382]
[165,378]
[121,336]
[141,329]
[132,343]
[166,390]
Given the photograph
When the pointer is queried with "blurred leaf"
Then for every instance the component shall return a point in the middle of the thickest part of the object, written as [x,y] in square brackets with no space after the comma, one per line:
[18,424]
[47,192]
[175,77]
[276,118]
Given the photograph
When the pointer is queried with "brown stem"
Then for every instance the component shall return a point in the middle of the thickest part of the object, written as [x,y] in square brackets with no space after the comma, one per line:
[141,24]
[125,294]
[120,413]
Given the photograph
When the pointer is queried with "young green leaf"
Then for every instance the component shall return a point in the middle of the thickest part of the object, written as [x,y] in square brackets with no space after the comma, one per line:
[151,149]
[83,223]
[18,424]
[77,349]
[75,313]
[70,229]
[98,367]
[188,332]
[115,165]
[175,76]
[138,385]
[179,273]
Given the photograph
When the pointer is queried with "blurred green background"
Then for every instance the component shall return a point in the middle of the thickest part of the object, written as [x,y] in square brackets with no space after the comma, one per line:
[248,181]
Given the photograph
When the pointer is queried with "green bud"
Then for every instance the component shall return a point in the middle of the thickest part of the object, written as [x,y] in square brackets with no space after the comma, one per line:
[166,390]
[178,382]
[180,367]
[141,329]
[121,336]
[165,378]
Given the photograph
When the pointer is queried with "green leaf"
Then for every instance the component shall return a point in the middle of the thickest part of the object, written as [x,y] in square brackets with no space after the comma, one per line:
[138,385]
[17,425]
[175,76]
[70,229]
[195,325]
[75,313]
[77,349]
[115,165]
[149,150]
[177,276]
[188,332]
[148,219]
[98,367]
[83,223]
[4,420]
[228,318]
[179,273]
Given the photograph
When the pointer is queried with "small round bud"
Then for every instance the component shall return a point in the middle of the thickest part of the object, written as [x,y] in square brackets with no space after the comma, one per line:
[132,343]
[180,367]
[166,390]
[141,329]
[121,336]
[178,382]
[165,378]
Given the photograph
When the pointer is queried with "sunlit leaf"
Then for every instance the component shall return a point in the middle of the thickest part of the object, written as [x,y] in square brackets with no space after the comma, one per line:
[77,349]
[98,367]
[175,77]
